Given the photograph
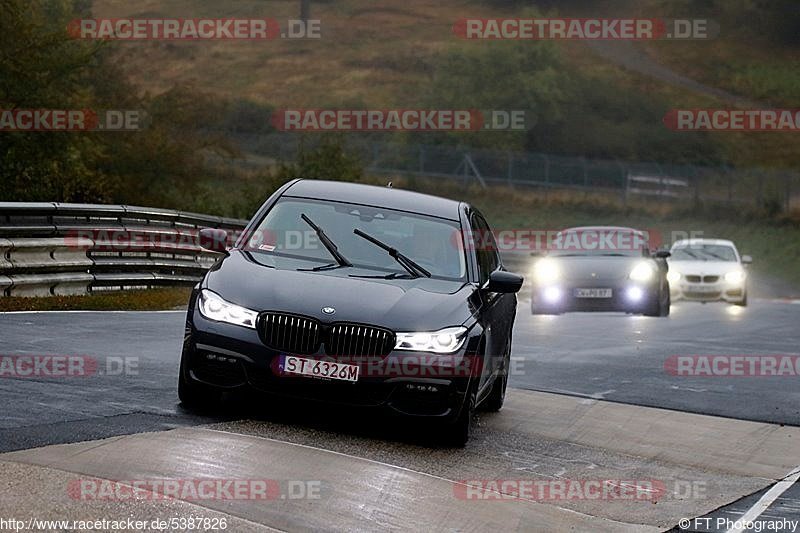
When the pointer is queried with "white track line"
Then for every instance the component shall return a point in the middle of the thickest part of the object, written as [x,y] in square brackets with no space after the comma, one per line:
[768,499]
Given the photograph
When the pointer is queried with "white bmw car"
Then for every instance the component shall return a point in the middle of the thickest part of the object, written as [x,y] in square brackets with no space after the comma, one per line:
[708,270]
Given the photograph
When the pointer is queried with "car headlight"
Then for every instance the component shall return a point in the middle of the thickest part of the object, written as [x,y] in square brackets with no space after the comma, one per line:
[446,340]
[642,272]
[673,276]
[213,307]
[546,271]
[734,276]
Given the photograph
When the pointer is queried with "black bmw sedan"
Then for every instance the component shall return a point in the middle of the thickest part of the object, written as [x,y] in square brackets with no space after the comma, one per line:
[601,268]
[357,295]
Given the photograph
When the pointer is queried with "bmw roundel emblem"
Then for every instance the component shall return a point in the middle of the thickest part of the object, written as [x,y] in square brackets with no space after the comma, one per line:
[328,310]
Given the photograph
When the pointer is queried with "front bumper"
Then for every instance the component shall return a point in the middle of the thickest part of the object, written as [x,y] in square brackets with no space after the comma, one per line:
[626,296]
[708,292]
[230,357]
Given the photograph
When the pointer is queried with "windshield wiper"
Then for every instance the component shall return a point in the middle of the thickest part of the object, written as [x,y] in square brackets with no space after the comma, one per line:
[327,242]
[392,275]
[690,254]
[409,264]
[716,256]
[328,266]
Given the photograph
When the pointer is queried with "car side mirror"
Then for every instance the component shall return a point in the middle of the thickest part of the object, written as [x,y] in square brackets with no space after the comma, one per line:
[214,240]
[746,260]
[504,282]
[662,254]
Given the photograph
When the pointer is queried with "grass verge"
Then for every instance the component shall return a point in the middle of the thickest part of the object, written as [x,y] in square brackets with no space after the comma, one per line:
[140,300]
[772,240]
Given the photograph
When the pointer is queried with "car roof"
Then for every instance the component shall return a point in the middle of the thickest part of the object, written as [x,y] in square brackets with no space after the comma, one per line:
[695,242]
[388,197]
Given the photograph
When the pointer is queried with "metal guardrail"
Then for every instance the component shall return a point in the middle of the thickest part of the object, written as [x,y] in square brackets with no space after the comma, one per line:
[56,249]
[61,249]
[657,186]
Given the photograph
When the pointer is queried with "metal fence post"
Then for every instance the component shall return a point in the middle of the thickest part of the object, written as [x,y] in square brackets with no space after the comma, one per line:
[623,183]
[546,169]
[730,184]
[375,155]
[759,190]
[788,194]
[585,172]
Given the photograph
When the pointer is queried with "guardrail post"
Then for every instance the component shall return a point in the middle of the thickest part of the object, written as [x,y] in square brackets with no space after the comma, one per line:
[5,248]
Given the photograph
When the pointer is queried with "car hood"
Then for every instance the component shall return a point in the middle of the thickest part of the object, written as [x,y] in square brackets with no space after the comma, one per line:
[703,268]
[420,304]
[598,267]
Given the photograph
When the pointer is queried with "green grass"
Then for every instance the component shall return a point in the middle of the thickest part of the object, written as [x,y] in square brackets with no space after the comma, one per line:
[773,241]
[140,300]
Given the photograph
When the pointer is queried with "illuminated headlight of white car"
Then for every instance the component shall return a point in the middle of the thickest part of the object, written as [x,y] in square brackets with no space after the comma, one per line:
[673,276]
[213,307]
[446,340]
[734,276]
[546,271]
[642,272]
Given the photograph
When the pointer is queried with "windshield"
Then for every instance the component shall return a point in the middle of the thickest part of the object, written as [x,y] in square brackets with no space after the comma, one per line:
[429,241]
[599,242]
[704,252]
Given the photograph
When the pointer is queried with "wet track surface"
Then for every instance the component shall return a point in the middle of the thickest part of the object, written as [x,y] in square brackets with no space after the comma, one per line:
[603,356]
[582,358]
[622,358]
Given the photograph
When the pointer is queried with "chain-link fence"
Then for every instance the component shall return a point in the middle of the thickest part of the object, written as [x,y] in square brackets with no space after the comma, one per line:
[763,188]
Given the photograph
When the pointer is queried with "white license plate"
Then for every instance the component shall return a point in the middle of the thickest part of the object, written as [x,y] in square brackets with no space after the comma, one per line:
[593,293]
[701,288]
[319,369]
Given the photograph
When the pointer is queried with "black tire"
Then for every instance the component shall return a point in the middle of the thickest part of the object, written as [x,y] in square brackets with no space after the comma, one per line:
[456,434]
[743,303]
[497,396]
[661,306]
[667,305]
[494,402]
[195,395]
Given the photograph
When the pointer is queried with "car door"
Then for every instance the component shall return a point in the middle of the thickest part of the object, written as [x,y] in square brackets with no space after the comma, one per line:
[496,317]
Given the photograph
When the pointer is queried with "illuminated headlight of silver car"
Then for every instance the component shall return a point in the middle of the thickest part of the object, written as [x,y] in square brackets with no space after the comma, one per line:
[642,272]
[546,271]
[213,307]
[446,340]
